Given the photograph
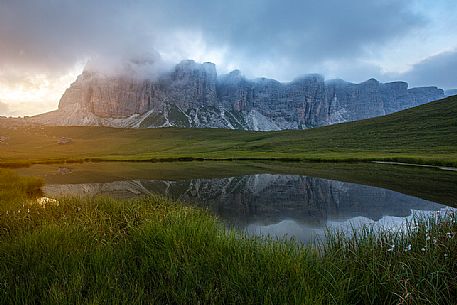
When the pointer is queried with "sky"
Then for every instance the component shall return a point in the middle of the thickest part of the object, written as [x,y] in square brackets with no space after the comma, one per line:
[45,44]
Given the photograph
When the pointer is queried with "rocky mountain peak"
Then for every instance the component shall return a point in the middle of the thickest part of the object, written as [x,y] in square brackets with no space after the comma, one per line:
[371,82]
[309,78]
[398,85]
[187,69]
[233,77]
[193,95]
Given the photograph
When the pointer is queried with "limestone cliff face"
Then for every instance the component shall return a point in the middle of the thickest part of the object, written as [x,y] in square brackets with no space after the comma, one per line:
[193,95]
[108,97]
[190,85]
[310,101]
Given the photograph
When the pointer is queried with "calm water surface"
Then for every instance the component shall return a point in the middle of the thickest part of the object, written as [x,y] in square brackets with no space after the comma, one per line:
[278,205]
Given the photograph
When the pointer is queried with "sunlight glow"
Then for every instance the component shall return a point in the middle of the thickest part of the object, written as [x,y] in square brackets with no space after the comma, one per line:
[36,93]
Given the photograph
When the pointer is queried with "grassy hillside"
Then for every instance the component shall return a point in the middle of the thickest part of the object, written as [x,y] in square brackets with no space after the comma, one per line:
[425,134]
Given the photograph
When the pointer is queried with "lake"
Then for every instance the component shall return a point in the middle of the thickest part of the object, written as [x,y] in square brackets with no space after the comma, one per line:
[284,200]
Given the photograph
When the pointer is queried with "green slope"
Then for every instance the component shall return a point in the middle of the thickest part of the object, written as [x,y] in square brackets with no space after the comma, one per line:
[425,134]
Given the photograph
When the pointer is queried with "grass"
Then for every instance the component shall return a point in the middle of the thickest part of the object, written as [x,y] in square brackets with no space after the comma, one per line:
[154,251]
[14,188]
[425,134]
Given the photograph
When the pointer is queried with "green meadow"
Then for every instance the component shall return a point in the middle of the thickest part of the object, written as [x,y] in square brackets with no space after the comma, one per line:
[424,135]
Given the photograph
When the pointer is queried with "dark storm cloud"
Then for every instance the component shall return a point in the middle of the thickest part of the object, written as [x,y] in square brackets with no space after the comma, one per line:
[439,70]
[51,35]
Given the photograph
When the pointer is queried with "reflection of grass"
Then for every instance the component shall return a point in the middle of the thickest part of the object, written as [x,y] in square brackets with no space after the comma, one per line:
[427,183]
[152,250]
[426,134]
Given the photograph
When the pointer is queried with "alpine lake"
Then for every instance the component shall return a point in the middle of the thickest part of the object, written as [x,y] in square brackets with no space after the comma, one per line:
[277,199]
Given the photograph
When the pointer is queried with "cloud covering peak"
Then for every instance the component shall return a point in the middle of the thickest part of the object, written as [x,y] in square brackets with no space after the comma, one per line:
[354,40]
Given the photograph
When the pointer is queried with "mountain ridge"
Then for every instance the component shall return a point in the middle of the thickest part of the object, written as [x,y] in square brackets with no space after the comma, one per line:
[194,95]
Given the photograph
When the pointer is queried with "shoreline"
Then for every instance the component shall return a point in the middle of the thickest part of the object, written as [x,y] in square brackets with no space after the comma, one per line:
[442,165]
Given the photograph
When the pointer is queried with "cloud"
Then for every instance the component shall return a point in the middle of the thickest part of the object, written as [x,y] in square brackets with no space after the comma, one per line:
[300,34]
[439,70]
[44,40]
[4,109]
[147,65]
[51,36]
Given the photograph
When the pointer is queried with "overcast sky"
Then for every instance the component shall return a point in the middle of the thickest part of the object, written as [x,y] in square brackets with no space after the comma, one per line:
[44,44]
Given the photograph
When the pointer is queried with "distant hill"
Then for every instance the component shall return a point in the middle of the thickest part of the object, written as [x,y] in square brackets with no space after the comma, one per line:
[194,95]
[429,127]
[450,92]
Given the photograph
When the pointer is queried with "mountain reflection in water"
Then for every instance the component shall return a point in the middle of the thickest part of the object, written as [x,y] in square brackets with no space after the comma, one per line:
[271,204]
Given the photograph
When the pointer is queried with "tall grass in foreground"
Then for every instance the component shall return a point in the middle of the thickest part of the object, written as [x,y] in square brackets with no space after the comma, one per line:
[153,251]
[14,189]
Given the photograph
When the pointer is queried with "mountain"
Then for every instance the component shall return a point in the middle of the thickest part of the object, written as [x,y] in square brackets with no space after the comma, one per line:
[193,95]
